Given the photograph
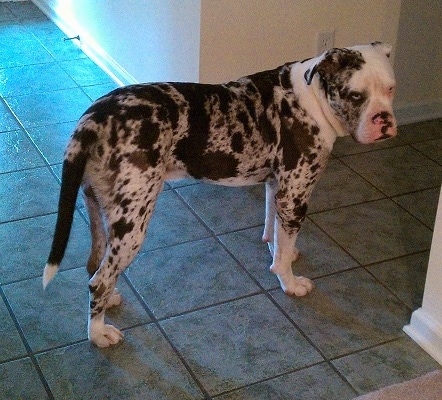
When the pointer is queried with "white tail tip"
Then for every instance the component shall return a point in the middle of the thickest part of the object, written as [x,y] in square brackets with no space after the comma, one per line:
[49,273]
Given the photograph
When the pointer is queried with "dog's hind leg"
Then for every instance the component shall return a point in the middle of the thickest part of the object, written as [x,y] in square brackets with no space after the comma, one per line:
[99,240]
[126,229]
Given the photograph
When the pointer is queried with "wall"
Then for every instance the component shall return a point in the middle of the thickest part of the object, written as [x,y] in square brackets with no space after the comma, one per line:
[426,322]
[243,36]
[219,40]
[419,59]
[135,41]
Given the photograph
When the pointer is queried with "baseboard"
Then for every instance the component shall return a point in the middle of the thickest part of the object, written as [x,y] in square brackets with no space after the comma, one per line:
[418,112]
[426,332]
[87,45]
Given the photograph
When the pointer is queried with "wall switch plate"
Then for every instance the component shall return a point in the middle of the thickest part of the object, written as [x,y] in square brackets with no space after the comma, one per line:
[325,41]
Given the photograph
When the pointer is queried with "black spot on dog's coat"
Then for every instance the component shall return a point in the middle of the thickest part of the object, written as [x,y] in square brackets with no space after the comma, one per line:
[121,228]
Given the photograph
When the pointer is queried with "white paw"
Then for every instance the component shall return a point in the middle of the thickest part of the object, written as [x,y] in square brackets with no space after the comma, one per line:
[299,286]
[105,336]
[115,299]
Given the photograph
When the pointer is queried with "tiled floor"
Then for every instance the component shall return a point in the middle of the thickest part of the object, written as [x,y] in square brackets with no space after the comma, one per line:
[203,317]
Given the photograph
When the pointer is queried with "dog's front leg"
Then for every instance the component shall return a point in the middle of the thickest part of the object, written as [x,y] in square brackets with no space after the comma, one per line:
[290,212]
[282,263]
[269,223]
[268,236]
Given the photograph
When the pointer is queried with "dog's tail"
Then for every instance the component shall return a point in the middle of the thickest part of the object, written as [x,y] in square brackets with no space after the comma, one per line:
[72,175]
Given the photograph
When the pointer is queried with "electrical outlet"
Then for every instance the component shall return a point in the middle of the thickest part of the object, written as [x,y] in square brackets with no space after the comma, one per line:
[325,41]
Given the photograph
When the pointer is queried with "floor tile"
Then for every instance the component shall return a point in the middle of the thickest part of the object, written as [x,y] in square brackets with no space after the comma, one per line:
[96,91]
[85,72]
[14,374]
[375,231]
[12,31]
[247,247]
[23,259]
[226,209]
[319,382]
[26,10]
[172,223]
[28,193]
[385,365]
[431,148]
[239,343]
[49,108]
[10,340]
[319,255]
[422,204]
[188,276]
[5,13]
[33,79]
[53,40]
[57,316]
[7,120]
[143,366]
[420,131]
[52,140]
[29,52]
[182,182]
[405,277]
[396,171]
[339,187]
[347,145]
[17,152]
[346,312]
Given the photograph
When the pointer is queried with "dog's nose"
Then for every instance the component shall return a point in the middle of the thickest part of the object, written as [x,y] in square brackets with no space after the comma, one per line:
[382,118]
[385,120]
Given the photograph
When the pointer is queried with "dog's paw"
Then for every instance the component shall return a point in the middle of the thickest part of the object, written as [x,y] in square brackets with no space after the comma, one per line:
[115,299]
[106,336]
[299,287]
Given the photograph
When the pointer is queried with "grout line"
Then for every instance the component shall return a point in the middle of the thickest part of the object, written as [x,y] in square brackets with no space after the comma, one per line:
[28,348]
[157,324]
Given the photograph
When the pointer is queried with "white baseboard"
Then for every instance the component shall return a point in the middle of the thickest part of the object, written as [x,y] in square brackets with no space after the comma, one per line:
[87,45]
[426,332]
[417,112]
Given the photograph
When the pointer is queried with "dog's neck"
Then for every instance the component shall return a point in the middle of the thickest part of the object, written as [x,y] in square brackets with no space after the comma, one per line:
[313,99]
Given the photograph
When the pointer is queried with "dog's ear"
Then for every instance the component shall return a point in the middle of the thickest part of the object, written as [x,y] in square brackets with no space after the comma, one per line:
[308,76]
[329,63]
[383,47]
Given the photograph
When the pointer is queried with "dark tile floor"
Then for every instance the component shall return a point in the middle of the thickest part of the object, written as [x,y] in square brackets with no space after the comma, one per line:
[202,315]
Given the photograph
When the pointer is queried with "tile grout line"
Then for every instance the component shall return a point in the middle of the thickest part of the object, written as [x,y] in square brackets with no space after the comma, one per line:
[30,353]
[157,324]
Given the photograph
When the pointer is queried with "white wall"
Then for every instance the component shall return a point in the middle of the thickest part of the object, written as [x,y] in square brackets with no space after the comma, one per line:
[137,41]
[219,40]
[419,60]
[244,36]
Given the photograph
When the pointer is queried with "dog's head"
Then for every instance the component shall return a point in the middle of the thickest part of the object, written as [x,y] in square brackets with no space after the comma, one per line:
[358,83]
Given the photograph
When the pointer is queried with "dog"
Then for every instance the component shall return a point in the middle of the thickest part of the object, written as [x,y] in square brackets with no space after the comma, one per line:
[275,127]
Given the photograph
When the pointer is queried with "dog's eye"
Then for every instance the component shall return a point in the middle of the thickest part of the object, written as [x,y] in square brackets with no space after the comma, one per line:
[355,96]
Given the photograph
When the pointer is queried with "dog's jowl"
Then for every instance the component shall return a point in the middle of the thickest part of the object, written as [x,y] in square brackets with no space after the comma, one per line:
[276,127]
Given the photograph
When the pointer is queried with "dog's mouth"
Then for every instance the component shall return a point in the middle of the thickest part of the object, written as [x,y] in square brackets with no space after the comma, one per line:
[383,137]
